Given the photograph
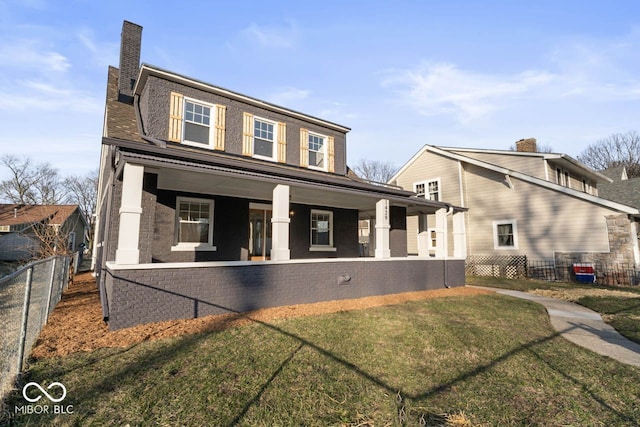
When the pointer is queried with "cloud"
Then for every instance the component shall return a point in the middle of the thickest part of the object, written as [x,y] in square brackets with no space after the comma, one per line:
[443,88]
[34,95]
[288,96]
[103,54]
[30,53]
[272,37]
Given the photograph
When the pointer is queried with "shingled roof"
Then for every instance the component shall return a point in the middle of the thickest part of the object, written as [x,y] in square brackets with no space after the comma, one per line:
[622,189]
[15,214]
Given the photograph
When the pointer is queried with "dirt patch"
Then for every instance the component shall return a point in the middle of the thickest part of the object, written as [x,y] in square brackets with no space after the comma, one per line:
[76,323]
[574,295]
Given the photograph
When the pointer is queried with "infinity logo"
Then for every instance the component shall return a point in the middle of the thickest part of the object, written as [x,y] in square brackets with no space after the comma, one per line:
[43,391]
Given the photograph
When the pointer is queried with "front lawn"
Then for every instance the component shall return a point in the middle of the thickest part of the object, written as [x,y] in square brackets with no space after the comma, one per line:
[618,305]
[485,359]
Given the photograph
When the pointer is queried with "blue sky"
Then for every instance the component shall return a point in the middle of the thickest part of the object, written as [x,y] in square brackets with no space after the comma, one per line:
[400,74]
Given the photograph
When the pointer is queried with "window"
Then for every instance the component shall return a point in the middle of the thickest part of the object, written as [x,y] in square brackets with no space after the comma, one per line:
[317,151]
[428,189]
[197,122]
[321,229]
[194,223]
[505,234]
[264,140]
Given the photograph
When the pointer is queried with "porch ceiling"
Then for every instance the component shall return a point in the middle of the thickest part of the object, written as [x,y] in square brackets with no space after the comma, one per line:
[262,190]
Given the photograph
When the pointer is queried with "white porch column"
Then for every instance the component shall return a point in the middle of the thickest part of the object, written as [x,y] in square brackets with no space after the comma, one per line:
[280,223]
[382,229]
[423,236]
[459,236]
[128,251]
[442,243]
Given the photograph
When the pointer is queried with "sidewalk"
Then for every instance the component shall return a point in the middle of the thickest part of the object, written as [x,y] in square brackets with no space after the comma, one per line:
[583,327]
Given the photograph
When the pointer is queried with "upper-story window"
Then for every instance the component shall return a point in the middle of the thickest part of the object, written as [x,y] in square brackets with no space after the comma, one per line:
[428,189]
[195,122]
[317,151]
[264,141]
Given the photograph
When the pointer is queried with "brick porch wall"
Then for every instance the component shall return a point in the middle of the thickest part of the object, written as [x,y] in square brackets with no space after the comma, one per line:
[160,293]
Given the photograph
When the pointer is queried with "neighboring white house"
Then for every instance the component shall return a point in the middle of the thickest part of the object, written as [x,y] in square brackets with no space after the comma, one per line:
[543,205]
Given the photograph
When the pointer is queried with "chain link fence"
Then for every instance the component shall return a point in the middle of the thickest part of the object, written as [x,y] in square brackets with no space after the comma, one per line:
[27,297]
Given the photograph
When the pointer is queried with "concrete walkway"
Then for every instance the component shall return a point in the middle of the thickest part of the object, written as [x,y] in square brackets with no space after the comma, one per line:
[583,327]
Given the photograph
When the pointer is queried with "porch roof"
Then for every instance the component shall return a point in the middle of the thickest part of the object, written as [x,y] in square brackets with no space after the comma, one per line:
[222,174]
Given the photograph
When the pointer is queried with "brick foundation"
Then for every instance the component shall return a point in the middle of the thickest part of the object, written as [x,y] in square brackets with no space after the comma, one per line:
[161,293]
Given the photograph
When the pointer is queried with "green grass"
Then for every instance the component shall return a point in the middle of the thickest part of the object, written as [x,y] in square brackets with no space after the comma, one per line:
[621,312]
[492,358]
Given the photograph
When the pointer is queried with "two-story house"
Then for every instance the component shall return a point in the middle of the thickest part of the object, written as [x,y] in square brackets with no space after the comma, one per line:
[522,202]
[211,201]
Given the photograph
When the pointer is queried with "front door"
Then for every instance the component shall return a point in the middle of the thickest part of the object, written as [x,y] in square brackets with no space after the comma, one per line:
[259,232]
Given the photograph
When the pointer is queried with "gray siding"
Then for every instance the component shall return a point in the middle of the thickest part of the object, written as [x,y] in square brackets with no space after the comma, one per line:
[155,108]
[153,295]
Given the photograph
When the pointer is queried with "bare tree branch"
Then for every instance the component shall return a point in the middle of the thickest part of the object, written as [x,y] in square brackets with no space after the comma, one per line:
[83,191]
[618,149]
[29,184]
[375,170]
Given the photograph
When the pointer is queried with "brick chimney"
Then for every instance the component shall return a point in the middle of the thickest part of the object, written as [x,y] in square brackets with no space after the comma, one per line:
[130,43]
[527,145]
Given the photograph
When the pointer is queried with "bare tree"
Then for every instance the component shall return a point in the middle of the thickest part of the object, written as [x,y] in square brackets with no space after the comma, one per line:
[618,149]
[83,191]
[375,170]
[30,185]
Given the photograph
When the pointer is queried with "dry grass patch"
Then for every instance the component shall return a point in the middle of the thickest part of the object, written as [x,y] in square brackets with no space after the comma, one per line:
[574,295]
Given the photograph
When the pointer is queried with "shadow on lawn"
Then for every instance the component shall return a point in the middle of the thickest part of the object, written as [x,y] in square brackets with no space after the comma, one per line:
[160,357]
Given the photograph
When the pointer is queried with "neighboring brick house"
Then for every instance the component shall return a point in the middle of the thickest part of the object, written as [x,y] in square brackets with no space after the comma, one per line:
[24,227]
[542,205]
[211,201]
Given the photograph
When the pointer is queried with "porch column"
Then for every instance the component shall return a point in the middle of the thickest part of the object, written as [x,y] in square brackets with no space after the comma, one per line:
[280,224]
[459,236]
[423,236]
[128,251]
[382,229]
[442,242]
[634,242]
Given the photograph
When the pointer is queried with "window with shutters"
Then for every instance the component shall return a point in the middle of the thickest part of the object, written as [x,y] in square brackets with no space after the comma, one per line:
[264,138]
[196,123]
[428,189]
[505,234]
[317,151]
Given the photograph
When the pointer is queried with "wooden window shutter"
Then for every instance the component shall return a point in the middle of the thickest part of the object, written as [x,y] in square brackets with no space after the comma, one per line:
[175,117]
[247,134]
[304,148]
[282,142]
[221,113]
[331,153]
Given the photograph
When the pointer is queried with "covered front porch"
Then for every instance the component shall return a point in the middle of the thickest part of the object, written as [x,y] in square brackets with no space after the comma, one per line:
[194,212]
[197,238]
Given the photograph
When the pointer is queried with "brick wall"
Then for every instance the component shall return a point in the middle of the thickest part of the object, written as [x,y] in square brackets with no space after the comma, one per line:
[158,294]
